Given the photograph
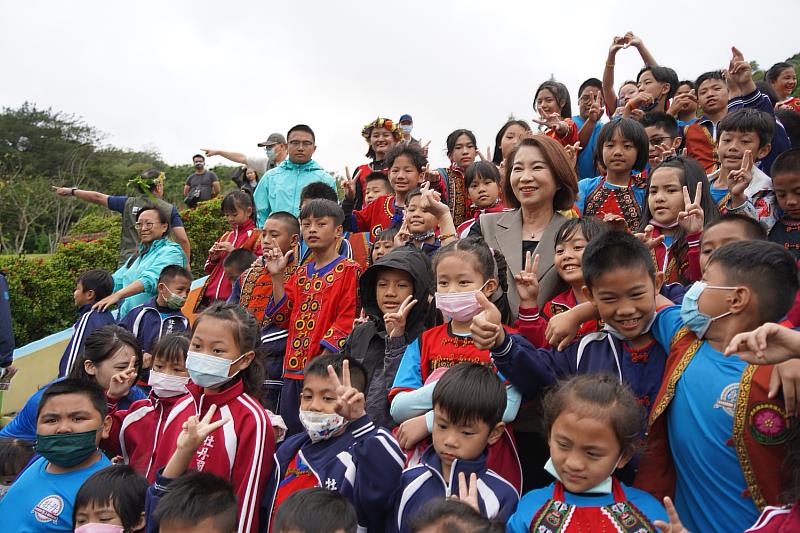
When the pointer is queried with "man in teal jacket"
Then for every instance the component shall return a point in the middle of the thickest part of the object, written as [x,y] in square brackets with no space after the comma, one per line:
[280,188]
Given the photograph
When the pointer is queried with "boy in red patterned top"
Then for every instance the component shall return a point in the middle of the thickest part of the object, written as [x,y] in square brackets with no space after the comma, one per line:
[317,304]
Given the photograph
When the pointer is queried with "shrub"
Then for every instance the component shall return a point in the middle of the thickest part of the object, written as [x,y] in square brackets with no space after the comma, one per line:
[204,225]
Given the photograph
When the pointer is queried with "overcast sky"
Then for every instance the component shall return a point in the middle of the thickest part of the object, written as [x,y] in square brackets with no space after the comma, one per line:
[179,76]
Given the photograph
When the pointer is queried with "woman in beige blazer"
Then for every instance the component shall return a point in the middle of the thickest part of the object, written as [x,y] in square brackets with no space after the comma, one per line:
[539,180]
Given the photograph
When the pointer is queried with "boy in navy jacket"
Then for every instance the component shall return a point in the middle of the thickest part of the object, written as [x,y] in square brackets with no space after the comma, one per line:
[161,315]
[341,449]
[91,287]
[468,405]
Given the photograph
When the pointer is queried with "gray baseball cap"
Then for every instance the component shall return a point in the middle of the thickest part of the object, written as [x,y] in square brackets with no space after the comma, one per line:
[274,138]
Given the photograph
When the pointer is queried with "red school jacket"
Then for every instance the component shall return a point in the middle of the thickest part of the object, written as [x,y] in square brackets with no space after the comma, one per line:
[241,451]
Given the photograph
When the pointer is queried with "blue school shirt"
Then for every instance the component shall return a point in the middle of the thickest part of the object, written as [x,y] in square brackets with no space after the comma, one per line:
[41,501]
[585,164]
[586,186]
[700,425]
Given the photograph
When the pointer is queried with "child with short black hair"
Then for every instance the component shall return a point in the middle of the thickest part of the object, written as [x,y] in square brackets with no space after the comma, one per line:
[482,182]
[91,287]
[700,137]
[332,513]
[340,448]
[786,183]
[622,148]
[453,517]
[377,185]
[593,425]
[14,457]
[161,315]
[234,265]
[739,185]
[469,401]
[70,422]
[657,85]
[196,501]
[684,104]
[744,285]
[427,222]
[115,496]
[317,304]
[317,191]
[664,135]
[383,244]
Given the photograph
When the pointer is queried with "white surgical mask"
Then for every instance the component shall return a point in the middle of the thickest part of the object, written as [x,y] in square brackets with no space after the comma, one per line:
[604,487]
[321,426]
[209,371]
[406,128]
[166,385]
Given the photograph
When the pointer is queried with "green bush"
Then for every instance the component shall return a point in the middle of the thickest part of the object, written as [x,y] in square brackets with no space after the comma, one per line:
[41,288]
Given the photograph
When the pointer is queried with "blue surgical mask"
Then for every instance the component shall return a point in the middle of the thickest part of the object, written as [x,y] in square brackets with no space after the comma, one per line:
[209,371]
[406,128]
[696,321]
[270,152]
[604,487]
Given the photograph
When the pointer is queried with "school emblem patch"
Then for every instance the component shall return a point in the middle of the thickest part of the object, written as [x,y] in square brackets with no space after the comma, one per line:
[48,509]
[727,398]
[768,423]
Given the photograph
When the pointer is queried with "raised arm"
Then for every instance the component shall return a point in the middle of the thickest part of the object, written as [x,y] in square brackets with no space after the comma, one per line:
[87,196]
[236,157]
[609,96]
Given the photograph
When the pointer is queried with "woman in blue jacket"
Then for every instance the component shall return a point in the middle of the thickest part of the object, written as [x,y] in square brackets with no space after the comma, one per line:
[135,282]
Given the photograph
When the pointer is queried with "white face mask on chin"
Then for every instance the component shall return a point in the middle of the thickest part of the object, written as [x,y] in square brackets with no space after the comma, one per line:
[604,487]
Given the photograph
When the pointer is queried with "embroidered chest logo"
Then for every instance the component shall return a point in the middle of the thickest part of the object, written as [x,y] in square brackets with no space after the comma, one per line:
[202,452]
[48,509]
[727,398]
[330,484]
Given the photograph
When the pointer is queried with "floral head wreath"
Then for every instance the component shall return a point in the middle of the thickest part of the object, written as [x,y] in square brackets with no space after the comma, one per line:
[380,122]
[144,183]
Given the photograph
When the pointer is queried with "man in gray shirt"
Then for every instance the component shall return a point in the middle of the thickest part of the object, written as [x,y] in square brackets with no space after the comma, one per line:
[202,185]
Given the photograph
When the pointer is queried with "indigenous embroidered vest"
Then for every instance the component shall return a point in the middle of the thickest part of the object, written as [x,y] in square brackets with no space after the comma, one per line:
[618,200]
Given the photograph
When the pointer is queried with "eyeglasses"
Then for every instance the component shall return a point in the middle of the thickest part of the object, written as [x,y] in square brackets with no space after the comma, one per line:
[304,144]
[655,141]
[145,225]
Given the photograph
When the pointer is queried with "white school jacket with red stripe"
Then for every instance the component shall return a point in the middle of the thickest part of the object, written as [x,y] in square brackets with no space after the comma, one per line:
[241,451]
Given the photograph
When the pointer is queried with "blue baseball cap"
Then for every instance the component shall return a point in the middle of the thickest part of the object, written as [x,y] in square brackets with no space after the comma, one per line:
[406,117]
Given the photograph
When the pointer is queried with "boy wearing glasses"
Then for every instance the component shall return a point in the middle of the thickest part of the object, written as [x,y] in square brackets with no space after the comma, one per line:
[280,188]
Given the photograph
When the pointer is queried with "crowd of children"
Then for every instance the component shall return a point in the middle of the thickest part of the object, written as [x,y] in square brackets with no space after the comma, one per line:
[374,365]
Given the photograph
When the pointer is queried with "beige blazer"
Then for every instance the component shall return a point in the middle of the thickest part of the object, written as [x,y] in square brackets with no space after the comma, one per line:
[503,231]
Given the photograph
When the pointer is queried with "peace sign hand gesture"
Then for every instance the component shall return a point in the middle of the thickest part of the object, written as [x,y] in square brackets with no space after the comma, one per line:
[527,281]
[572,151]
[674,525]
[396,322]
[467,494]
[648,239]
[739,180]
[195,431]
[349,184]
[403,235]
[351,402]
[487,156]
[692,217]
[276,259]
[121,382]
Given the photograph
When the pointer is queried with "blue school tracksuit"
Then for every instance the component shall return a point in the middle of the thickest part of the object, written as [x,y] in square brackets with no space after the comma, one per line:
[364,464]
[531,370]
[423,483]
[149,322]
[88,322]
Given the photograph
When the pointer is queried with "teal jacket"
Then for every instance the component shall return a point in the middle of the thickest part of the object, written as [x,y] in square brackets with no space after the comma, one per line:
[280,188]
[146,268]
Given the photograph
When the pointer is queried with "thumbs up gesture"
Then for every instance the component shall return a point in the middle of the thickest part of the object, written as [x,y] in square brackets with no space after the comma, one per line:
[486,328]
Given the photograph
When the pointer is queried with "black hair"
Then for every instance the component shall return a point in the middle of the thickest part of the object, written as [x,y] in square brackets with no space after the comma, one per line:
[14,456]
[767,89]
[590,228]
[482,257]
[90,389]
[323,208]
[304,128]
[239,199]
[598,396]
[100,346]
[471,392]
[452,516]
[691,174]
[239,259]
[319,367]
[629,129]
[315,510]
[663,121]
[753,228]
[378,176]
[99,281]
[412,151]
[172,348]
[690,83]
[791,123]
[482,170]
[791,462]
[122,487]
[560,93]
[497,157]
[413,193]
[775,70]
[201,156]
[591,82]
[615,250]
[288,219]
[385,235]
[767,268]
[197,496]
[453,138]
[710,75]
[170,272]
[662,75]
[788,161]
[748,120]
[318,190]
[246,335]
